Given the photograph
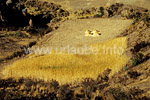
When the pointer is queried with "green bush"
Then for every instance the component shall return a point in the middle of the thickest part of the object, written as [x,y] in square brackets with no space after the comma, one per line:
[135,62]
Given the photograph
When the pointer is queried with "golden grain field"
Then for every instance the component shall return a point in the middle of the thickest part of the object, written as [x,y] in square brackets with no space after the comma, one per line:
[70,67]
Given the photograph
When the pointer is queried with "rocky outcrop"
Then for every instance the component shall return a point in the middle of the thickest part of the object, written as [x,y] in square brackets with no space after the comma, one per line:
[18,13]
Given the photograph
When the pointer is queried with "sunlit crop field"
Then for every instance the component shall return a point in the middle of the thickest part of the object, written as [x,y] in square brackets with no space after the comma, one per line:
[71,67]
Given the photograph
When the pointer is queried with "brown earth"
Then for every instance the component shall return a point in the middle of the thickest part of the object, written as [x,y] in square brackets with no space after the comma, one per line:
[72,32]
[13,44]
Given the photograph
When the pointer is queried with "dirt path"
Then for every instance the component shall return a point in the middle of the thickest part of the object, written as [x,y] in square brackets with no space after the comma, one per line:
[71,32]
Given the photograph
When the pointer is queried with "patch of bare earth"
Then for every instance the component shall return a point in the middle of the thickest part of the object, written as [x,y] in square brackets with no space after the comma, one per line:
[12,44]
[71,32]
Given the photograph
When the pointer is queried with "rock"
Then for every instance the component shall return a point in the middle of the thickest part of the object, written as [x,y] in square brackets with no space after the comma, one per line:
[106,13]
[125,13]
[8,2]
[79,93]
[24,11]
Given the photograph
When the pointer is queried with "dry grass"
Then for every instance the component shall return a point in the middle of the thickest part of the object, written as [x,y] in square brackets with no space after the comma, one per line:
[76,4]
[69,67]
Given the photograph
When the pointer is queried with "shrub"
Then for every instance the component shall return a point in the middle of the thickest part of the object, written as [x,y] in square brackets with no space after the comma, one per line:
[133,74]
[117,94]
[135,62]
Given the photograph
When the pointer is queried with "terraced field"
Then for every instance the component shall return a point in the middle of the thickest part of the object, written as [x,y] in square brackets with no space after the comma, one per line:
[71,32]
[70,67]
